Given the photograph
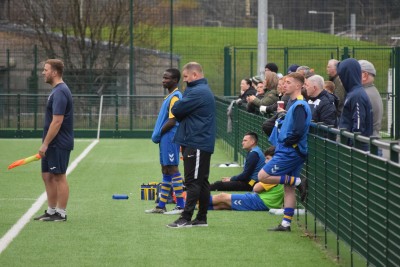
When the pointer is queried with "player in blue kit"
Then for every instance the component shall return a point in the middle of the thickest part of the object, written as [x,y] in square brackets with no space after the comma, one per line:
[290,139]
[57,142]
[263,197]
[163,134]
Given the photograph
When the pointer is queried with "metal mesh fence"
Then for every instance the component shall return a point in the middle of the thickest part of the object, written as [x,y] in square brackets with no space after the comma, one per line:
[23,114]
[172,33]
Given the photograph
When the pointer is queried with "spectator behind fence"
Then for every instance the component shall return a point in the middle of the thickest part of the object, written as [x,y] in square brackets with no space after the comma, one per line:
[340,92]
[263,197]
[322,104]
[368,74]
[357,110]
[246,89]
[305,71]
[274,68]
[271,94]
[260,94]
[281,90]
[292,68]
[253,164]
[329,86]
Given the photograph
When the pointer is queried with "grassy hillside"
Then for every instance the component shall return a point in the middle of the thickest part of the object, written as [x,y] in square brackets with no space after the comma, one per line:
[206,46]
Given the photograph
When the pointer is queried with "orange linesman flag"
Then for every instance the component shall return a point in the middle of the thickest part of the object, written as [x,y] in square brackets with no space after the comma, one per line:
[24,161]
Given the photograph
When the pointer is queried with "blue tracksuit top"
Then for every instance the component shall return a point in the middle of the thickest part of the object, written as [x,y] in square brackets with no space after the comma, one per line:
[163,116]
[284,127]
[254,162]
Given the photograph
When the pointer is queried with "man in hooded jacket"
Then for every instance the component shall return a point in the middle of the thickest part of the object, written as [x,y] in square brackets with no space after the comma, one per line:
[357,110]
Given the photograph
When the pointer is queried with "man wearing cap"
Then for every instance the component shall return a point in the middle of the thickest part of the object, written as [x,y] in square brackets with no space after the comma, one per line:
[368,74]
[292,68]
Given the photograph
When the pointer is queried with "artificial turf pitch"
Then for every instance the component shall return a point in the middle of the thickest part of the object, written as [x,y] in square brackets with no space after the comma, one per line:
[101,231]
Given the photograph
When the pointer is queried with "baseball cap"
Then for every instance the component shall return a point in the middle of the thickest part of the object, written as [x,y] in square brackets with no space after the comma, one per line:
[292,68]
[367,67]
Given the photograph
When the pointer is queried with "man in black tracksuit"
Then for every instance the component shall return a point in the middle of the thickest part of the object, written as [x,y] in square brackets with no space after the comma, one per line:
[195,113]
[322,104]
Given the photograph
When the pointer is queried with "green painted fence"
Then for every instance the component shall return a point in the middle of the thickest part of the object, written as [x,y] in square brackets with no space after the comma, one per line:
[353,195]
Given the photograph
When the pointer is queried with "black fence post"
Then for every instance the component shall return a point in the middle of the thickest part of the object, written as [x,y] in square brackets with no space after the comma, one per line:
[227,71]
[396,94]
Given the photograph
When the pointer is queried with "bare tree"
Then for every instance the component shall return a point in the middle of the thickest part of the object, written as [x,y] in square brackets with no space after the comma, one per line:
[91,36]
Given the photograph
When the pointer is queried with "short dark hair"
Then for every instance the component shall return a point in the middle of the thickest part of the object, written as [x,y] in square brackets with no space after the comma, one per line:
[56,64]
[248,81]
[272,67]
[175,74]
[270,151]
[253,135]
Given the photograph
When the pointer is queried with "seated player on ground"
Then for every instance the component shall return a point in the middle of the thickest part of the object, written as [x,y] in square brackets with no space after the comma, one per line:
[253,164]
[263,198]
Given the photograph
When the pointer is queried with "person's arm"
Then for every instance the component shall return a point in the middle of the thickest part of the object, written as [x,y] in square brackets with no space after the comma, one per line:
[299,120]
[249,167]
[171,118]
[54,128]
[359,112]
[186,105]
[258,188]
[269,99]
[168,125]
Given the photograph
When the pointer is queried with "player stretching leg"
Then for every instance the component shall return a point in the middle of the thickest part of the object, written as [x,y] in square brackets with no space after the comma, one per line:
[290,140]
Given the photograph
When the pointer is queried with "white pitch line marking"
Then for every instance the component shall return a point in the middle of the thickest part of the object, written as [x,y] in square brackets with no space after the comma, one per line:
[20,224]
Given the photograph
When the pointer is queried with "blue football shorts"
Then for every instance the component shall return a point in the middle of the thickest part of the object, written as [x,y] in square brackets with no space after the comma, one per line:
[169,151]
[286,161]
[247,202]
[56,160]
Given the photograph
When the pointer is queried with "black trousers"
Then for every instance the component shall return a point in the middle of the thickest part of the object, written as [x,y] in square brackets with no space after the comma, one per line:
[196,165]
[231,186]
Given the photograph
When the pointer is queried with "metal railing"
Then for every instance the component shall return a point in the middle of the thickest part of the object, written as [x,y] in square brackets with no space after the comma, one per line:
[354,196]
[22,115]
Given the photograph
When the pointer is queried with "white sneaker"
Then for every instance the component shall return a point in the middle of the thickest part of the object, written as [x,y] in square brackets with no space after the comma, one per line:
[176,210]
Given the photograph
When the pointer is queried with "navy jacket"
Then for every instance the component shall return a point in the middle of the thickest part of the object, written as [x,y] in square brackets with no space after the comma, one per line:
[323,108]
[357,110]
[195,113]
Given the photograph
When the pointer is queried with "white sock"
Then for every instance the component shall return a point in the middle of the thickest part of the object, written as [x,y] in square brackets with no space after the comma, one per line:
[285,223]
[51,211]
[298,181]
[62,212]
